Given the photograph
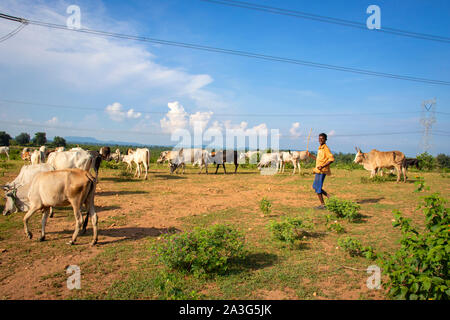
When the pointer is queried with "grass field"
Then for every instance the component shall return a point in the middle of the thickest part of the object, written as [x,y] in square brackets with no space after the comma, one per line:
[134,214]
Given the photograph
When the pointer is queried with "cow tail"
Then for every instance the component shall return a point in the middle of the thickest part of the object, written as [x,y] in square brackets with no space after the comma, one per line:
[90,194]
[404,163]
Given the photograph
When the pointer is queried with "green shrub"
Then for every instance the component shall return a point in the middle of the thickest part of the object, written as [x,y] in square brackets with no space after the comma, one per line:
[202,251]
[443,161]
[265,205]
[420,268]
[355,248]
[379,179]
[426,161]
[289,230]
[343,208]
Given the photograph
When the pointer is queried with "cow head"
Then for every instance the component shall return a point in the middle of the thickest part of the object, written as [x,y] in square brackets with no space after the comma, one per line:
[162,157]
[11,199]
[360,157]
[173,167]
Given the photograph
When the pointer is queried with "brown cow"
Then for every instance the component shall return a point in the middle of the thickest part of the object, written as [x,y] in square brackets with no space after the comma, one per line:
[375,160]
[62,187]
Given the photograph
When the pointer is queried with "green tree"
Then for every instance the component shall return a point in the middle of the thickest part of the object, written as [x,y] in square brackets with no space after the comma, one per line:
[4,138]
[59,142]
[443,161]
[23,138]
[426,161]
[39,138]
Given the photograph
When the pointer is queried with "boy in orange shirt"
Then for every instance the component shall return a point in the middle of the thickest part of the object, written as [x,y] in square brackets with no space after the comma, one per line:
[323,160]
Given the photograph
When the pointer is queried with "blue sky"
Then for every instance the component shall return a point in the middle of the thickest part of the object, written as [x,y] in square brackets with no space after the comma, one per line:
[123,79]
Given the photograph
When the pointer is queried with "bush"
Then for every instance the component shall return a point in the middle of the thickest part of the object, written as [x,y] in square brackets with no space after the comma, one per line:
[265,205]
[419,270]
[333,226]
[426,161]
[443,161]
[355,248]
[202,251]
[343,208]
[289,230]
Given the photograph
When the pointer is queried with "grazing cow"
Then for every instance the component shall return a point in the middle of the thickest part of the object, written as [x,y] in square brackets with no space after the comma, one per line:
[5,150]
[250,155]
[269,158]
[62,187]
[169,156]
[71,159]
[128,159]
[116,156]
[16,192]
[375,160]
[141,155]
[179,158]
[37,156]
[225,156]
[286,157]
[105,152]
[299,156]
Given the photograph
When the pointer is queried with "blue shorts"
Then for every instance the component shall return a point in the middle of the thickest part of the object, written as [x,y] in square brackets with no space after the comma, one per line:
[318,182]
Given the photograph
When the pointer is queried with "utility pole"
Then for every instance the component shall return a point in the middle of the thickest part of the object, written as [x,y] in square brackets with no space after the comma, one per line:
[427,120]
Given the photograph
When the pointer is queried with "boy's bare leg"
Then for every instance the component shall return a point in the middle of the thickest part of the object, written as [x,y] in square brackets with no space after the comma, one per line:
[321,198]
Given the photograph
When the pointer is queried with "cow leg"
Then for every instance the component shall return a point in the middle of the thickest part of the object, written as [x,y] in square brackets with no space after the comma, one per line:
[44,222]
[51,212]
[217,168]
[224,170]
[78,222]
[146,170]
[25,221]
[404,174]
[236,165]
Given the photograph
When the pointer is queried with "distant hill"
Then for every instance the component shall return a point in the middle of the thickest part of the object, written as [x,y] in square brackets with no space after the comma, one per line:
[91,140]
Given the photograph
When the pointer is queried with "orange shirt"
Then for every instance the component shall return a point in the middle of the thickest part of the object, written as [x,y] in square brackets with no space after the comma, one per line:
[323,156]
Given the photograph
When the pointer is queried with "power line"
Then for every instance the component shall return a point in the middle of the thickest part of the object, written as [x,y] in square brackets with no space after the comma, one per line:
[234,52]
[149,133]
[326,19]
[13,33]
[351,114]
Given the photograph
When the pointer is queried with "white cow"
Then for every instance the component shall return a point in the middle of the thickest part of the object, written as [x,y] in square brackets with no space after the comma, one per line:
[37,157]
[5,150]
[179,159]
[18,188]
[71,159]
[43,149]
[269,158]
[141,155]
[286,157]
[299,156]
[128,159]
[250,155]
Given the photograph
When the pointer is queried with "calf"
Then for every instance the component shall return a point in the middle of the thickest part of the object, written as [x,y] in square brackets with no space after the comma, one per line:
[63,187]
[270,159]
[300,156]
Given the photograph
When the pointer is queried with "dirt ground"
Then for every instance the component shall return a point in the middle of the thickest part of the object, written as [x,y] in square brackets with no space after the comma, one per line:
[131,211]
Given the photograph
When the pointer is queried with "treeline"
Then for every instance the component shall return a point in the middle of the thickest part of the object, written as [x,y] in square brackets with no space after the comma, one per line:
[342,160]
[24,139]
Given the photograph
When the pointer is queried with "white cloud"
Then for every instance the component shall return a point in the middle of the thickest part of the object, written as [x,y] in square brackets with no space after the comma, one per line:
[53,121]
[92,64]
[200,119]
[116,113]
[331,133]
[175,119]
[293,131]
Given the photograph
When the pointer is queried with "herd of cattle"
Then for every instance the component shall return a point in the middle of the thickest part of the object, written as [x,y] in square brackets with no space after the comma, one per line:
[58,177]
